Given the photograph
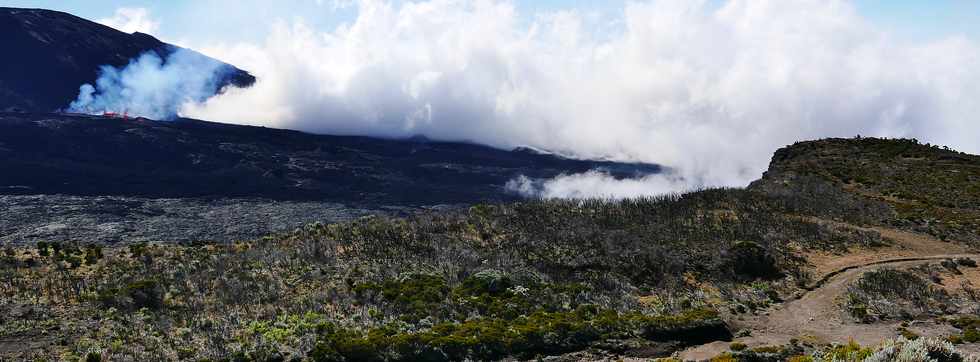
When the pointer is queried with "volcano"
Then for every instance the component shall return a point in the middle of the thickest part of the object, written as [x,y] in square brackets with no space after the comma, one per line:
[94,155]
[49,54]
[69,175]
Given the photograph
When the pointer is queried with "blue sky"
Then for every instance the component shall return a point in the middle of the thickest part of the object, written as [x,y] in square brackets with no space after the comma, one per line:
[924,19]
[203,21]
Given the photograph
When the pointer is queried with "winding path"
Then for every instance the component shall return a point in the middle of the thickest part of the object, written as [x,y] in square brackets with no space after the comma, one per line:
[815,315]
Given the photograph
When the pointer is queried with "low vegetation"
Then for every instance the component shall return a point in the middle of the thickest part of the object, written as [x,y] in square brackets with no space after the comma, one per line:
[969,326]
[524,280]
[899,350]
[929,188]
[893,350]
[895,294]
[919,292]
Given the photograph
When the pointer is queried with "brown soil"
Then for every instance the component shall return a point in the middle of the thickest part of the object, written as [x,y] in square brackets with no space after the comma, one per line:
[906,245]
[816,316]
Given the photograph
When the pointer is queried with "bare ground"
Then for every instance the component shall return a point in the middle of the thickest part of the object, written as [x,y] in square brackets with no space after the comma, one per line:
[816,317]
[114,219]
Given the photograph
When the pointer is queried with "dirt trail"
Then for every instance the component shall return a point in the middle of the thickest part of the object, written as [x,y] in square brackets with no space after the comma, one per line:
[906,245]
[816,316]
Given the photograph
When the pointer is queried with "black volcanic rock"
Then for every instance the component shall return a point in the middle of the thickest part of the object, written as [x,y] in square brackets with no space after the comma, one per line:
[49,54]
[88,155]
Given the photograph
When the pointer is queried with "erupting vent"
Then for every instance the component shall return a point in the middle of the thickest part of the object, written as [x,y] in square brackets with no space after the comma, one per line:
[124,115]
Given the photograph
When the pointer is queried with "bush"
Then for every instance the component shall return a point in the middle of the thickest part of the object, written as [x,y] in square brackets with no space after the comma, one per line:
[971,335]
[415,295]
[139,294]
[969,327]
[852,351]
[93,357]
[889,293]
[919,350]
[764,353]
[540,333]
[967,262]
[724,357]
[491,282]
[800,358]
[93,253]
[966,322]
[752,261]
[42,248]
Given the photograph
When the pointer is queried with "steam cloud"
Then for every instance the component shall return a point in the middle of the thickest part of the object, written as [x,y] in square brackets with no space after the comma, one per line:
[131,20]
[150,86]
[710,91]
[597,184]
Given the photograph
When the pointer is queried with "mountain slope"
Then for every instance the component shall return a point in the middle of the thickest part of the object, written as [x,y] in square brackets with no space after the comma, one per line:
[926,188]
[49,54]
[87,155]
[595,280]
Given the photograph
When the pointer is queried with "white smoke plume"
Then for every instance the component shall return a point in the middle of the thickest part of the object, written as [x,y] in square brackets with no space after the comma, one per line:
[598,185]
[707,89]
[710,91]
[150,86]
[131,20]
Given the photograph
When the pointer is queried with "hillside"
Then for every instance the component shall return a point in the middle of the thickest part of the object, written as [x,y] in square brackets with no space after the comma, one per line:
[88,155]
[930,189]
[69,177]
[49,55]
[682,275]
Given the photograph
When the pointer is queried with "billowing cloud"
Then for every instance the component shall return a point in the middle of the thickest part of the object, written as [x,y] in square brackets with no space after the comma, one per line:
[131,20]
[710,91]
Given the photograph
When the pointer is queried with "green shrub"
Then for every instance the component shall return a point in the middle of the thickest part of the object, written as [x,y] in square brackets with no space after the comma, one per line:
[967,262]
[416,295]
[852,351]
[145,293]
[137,250]
[491,293]
[752,261]
[800,358]
[540,333]
[971,335]
[724,357]
[764,353]
[966,322]
[93,357]
[890,293]
[857,309]
[93,253]
[42,248]
[491,282]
